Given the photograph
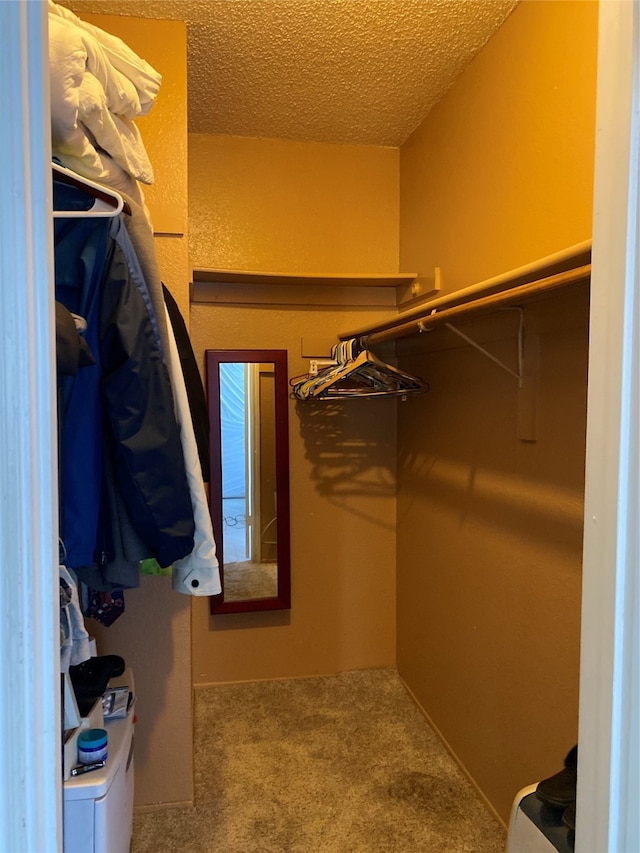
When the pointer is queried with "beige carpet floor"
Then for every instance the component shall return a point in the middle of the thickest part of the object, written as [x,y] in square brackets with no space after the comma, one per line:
[343,764]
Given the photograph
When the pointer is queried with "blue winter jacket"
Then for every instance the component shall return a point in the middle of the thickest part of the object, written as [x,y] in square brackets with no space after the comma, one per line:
[119,412]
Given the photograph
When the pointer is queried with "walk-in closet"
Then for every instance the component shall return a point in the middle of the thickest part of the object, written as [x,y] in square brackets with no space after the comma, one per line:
[422,302]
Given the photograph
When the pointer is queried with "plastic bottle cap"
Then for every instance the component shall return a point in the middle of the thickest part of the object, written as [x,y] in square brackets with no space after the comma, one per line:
[92,738]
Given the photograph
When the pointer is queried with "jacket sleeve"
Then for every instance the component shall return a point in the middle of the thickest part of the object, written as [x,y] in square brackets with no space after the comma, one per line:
[139,410]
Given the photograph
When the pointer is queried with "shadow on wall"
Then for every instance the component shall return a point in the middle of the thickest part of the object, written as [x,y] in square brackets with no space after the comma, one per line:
[477,495]
[459,456]
[351,445]
[151,654]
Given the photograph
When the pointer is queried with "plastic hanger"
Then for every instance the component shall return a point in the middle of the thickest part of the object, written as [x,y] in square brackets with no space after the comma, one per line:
[362,375]
[107,201]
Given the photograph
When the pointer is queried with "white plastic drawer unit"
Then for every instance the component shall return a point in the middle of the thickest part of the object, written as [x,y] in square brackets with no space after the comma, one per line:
[98,806]
[530,832]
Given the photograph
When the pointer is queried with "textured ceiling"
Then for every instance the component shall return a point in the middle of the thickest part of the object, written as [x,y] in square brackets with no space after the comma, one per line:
[341,71]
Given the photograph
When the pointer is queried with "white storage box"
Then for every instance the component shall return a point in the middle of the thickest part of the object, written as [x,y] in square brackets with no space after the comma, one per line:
[98,806]
[529,832]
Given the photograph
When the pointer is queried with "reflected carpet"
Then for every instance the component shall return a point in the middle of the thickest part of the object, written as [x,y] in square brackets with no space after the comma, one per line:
[249,580]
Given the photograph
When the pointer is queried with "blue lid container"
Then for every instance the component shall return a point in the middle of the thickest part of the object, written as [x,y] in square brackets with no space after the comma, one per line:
[92,746]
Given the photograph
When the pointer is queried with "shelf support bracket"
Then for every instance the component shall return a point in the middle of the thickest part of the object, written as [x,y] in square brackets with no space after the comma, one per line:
[526,428]
[316,364]
[519,375]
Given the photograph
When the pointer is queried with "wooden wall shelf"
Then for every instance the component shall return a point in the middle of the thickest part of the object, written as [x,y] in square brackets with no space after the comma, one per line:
[220,276]
[383,290]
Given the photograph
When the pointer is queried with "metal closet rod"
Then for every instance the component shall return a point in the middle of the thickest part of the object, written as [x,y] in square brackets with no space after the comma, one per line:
[573,256]
[431,317]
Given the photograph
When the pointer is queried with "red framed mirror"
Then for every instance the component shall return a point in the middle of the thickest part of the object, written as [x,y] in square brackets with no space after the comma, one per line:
[249,478]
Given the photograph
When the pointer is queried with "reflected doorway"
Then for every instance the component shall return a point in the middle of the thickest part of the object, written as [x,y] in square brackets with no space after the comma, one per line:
[249,516]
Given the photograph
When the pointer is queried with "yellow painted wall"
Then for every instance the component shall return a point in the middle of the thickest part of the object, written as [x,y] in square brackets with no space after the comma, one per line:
[500,173]
[266,204]
[490,527]
[154,634]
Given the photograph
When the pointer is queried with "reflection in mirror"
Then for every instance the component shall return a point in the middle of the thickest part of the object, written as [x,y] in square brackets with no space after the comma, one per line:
[249,535]
[248,400]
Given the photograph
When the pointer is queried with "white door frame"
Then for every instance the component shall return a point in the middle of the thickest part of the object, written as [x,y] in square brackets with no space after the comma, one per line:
[30,739]
[30,787]
[609,752]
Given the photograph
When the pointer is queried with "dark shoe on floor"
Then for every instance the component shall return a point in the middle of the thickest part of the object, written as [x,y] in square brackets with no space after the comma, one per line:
[569,816]
[560,789]
[551,815]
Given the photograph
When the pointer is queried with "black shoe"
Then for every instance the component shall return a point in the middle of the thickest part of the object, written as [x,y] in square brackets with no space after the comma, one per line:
[569,816]
[90,679]
[560,789]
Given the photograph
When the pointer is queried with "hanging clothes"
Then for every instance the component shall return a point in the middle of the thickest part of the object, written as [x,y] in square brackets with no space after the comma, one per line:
[198,572]
[80,253]
[141,236]
[72,351]
[131,468]
[193,382]
[74,638]
[125,406]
